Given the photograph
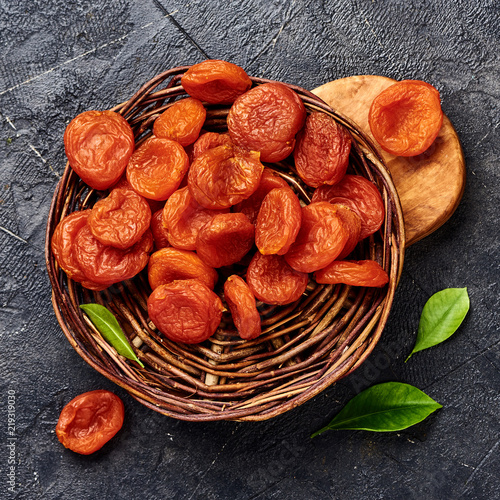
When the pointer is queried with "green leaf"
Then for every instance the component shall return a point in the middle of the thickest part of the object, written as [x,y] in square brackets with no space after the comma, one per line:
[391,406]
[441,316]
[110,329]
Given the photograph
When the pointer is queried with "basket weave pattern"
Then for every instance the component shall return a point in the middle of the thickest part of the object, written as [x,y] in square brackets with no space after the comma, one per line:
[305,346]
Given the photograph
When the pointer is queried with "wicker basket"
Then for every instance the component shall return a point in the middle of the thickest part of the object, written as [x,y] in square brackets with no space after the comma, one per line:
[305,346]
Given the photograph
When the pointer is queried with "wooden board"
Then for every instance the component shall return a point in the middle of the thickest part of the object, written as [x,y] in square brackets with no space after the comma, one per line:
[429,185]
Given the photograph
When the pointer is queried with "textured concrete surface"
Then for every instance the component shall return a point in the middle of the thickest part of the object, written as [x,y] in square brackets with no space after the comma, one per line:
[59,58]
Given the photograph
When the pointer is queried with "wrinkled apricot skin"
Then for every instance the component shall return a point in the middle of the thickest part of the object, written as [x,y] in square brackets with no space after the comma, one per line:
[157,168]
[183,217]
[159,231]
[210,140]
[106,264]
[89,421]
[62,245]
[406,117]
[278,222]
[215,81]
[251,205]
[273,281]
[98,145]
[170,264]
[154,205]
[225,239]
[181,122]
[224,176]
[120,219]
[321,238]
[243,308]
[354,273]
[185,311]
[322,151]
[266,119]
[352,224]
[360,195]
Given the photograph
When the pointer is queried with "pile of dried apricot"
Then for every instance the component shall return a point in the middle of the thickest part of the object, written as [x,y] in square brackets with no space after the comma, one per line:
[223,215]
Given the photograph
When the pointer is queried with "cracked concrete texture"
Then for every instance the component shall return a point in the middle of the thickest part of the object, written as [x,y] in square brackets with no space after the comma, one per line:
[60,58]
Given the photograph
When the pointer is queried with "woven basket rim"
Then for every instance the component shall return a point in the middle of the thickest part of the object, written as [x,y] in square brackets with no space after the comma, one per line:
[163,386]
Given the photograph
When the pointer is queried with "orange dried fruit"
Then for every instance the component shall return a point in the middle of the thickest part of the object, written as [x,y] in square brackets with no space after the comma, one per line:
[185,311]
[406,117]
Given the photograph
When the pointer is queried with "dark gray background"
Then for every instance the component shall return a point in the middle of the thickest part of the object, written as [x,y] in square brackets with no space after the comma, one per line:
[61,57]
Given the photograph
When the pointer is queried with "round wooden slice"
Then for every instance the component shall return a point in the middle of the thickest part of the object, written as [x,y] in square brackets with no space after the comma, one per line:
[429,185]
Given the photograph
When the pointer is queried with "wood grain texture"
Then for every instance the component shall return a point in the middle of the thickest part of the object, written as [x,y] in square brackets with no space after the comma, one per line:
[429,185]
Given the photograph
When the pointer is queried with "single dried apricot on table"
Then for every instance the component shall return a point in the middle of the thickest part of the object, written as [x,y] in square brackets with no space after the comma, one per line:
[353,272]
[89,421]
[266,119]
[98,145]
[215,81]
[183,217]
[273,281]
[224,176]
[120,219]
[360,195]
[225,239]
[321,238]
[106,264]
[170,264]
[406,117]
[157,168]
[241,303]
[185,311]
[322,151]
[278,222]
[250,206]
[181,122]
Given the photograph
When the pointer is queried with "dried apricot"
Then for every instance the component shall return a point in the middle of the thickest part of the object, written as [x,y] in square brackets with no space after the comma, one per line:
[62,245]
[266,119]
[98,145]
[360,195]
[181,122]
[154,205]
[183,217]
[321,238]
[106,264]
[352,224]
[278,222]
[120,219]
[215,81]
[159,231]
[89,421]
[273,281]
[170,264]
[251,205]
[210,140]
[185,311]
[406,117]
[224,176]
[322,151]
[243,308]
[353,272]
[225,239]
[156,169]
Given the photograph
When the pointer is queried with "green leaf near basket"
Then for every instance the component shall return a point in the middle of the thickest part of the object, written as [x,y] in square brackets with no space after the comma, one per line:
[441,316]
[391,406]
[110,329]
